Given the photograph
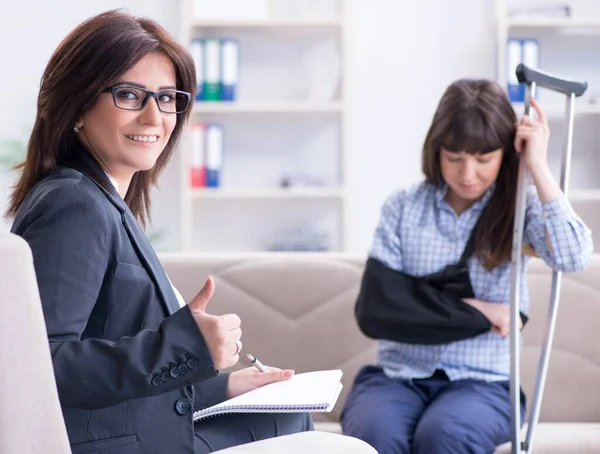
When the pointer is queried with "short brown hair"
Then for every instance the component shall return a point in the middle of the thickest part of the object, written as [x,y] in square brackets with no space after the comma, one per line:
[476,116]
[90,58]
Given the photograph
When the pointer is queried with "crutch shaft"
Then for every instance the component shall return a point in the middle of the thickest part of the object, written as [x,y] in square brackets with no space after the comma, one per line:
[533,78]
[555,290]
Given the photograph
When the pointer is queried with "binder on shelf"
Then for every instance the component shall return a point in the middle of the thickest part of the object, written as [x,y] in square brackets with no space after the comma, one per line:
[214,155]
[229,69]
[212,69]
[197,51]
[524,51]
[198,160]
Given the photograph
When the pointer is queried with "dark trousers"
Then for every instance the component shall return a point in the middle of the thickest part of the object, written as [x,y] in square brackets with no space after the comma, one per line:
[234,429]
[428,416]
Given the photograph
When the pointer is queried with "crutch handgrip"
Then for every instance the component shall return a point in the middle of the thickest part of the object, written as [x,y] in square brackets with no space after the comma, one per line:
[526,75]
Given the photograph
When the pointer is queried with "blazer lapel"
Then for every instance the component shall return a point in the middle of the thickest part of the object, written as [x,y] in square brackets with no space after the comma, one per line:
[88,165]
[150,260]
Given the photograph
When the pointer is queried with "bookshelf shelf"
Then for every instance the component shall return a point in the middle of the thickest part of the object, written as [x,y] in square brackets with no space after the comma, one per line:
[552,22]
[270,193]
[280,24]
[266,107]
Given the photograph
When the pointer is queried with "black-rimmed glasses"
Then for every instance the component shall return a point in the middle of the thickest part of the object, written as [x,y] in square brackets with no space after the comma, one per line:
[129,97]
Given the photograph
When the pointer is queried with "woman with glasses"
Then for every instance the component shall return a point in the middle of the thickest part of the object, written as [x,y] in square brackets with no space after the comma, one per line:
[132,360]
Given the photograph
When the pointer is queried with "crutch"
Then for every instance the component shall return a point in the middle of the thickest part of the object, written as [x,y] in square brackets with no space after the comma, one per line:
[571,89]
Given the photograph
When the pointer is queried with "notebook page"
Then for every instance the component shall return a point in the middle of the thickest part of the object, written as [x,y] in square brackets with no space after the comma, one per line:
[305,388]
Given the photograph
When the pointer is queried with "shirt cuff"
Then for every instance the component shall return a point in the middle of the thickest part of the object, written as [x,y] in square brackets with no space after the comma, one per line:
[558,207]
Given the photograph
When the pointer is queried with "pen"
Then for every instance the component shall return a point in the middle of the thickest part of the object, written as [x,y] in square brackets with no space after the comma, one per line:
[254,361]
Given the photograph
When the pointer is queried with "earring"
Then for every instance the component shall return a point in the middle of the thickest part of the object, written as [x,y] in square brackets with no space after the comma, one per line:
[75,128]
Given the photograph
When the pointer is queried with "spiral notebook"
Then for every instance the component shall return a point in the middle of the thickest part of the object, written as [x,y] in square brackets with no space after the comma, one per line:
[306,392]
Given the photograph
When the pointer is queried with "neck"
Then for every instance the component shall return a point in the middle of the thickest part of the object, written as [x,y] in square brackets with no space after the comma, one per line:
[458,204]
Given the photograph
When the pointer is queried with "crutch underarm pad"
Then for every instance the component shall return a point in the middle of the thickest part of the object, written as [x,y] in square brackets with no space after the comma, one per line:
[526,75]
[396,306]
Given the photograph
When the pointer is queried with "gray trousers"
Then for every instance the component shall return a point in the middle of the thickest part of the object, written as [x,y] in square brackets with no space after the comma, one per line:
[234,429]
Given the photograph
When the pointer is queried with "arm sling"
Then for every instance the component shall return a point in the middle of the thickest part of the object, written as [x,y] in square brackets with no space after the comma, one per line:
[426,310]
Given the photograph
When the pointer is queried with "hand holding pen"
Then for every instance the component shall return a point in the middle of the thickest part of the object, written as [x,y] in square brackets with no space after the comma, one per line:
[254,361]
[255,376]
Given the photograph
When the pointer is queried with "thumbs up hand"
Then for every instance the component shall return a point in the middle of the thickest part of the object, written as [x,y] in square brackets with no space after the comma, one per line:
[222,333]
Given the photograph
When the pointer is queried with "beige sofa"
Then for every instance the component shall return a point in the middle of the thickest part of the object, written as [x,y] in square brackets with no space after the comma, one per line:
[30,416]
[297,312]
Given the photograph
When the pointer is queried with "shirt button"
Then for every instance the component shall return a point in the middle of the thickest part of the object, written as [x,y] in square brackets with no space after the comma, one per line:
[183,406]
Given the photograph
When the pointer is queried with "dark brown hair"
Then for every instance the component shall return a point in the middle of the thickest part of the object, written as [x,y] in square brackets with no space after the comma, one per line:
[476,116]
[90,58]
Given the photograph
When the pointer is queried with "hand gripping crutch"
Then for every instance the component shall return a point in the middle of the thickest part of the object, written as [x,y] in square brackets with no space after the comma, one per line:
[571,89]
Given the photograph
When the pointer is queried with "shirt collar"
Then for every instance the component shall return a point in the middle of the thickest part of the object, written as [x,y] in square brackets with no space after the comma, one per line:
[113,181]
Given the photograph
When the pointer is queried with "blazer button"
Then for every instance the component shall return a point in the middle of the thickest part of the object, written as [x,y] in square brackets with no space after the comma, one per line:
[156,380]
[183,369]
[165,375]
[183,406]
[174,372]
[192,363]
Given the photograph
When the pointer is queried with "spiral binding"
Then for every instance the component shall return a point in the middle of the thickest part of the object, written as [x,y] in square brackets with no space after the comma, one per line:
[220,410]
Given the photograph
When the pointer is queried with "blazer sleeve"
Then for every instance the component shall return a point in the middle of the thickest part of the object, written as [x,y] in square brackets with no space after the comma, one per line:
[68,233]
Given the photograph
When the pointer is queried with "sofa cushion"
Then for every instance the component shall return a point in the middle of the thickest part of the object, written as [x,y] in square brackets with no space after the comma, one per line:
[562,438]
[297,311]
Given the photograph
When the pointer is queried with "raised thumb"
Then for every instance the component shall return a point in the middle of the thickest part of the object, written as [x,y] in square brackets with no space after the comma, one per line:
[198,304]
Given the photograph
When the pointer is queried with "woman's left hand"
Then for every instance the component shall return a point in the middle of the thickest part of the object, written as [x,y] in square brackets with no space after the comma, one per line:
[244,380]
[531,139]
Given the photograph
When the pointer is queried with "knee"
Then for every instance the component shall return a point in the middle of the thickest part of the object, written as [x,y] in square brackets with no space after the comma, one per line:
[289,423]
[383,436]
[443,438]
[439,440]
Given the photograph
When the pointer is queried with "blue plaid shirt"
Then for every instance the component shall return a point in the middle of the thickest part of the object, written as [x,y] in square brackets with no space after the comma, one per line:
[418,233]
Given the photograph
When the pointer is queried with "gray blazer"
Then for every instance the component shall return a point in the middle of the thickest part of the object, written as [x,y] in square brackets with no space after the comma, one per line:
[130,364]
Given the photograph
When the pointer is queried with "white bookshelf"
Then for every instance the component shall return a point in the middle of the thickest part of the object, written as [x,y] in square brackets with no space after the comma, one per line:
[279,126]
[268,108]
[567,47]
[554,22]
[266,194]
[285,25]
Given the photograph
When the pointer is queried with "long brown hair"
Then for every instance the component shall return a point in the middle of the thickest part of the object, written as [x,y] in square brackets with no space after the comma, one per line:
[476,116]
[90,58]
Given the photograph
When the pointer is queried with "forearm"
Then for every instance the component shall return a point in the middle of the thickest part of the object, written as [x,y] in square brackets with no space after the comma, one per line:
[558,235]
[547,187]
[96,373]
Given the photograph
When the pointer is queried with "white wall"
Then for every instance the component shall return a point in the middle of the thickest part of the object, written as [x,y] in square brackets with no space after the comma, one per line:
[403,54]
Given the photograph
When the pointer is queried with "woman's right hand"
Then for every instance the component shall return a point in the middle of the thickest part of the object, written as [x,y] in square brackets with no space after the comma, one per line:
[222,333]
[497,313]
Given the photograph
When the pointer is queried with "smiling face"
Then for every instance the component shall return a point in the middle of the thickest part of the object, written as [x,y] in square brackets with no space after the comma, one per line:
[126,141]
[468,175]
